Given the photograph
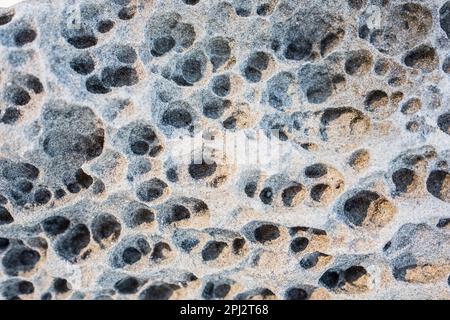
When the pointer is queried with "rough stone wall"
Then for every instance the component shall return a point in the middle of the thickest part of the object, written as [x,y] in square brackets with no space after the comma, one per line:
[100,98]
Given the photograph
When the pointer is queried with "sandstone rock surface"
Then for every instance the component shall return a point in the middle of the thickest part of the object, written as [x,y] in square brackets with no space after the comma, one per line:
[210,149]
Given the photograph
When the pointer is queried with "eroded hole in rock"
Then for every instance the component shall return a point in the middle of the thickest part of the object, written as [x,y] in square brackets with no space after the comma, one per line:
[162,46]
[444,18]
[376,100]
[42,196]
[105,226]
[55,225]
[266,195]
[5,216]
[212,250]
[368,207]
[17,95]
[151,190]
[214,108]
[316,83]
[70,244]
[320,192]
[443,122]
[24,36]
[250,189]
[405,180]
[127,285]
[330,279]
[256,64]
[177,118]
[221,85]
[126,54]
[119,77]
[179,213]
[438,184]
[215,290]
[191,2]
[20,259]
[299,244]
[354,273]
[131,255]
[330,42]
[11,115]
[411,106]
[291,196]
[358,62]
[316,170]
[82,41]
[6,16]
[300,48]
[160,251]
[105,26]
[96,86]
[356,4]
[266,233]
[359,159]
[356,91]
[219,51]
[140,216]
[446,65]
[202,170]
[127,13]
[296,294]
[61,285]
[158,292]
[83,64]
[238,245]
[310,260]
[423,57]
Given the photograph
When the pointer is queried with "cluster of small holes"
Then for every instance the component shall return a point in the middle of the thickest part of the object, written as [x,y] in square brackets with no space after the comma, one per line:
[288,70]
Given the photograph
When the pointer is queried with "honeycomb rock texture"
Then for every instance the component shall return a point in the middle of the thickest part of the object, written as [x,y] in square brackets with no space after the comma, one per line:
[115,177]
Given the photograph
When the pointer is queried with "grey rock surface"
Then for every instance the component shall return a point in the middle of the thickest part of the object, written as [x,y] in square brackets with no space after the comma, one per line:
[206,149]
